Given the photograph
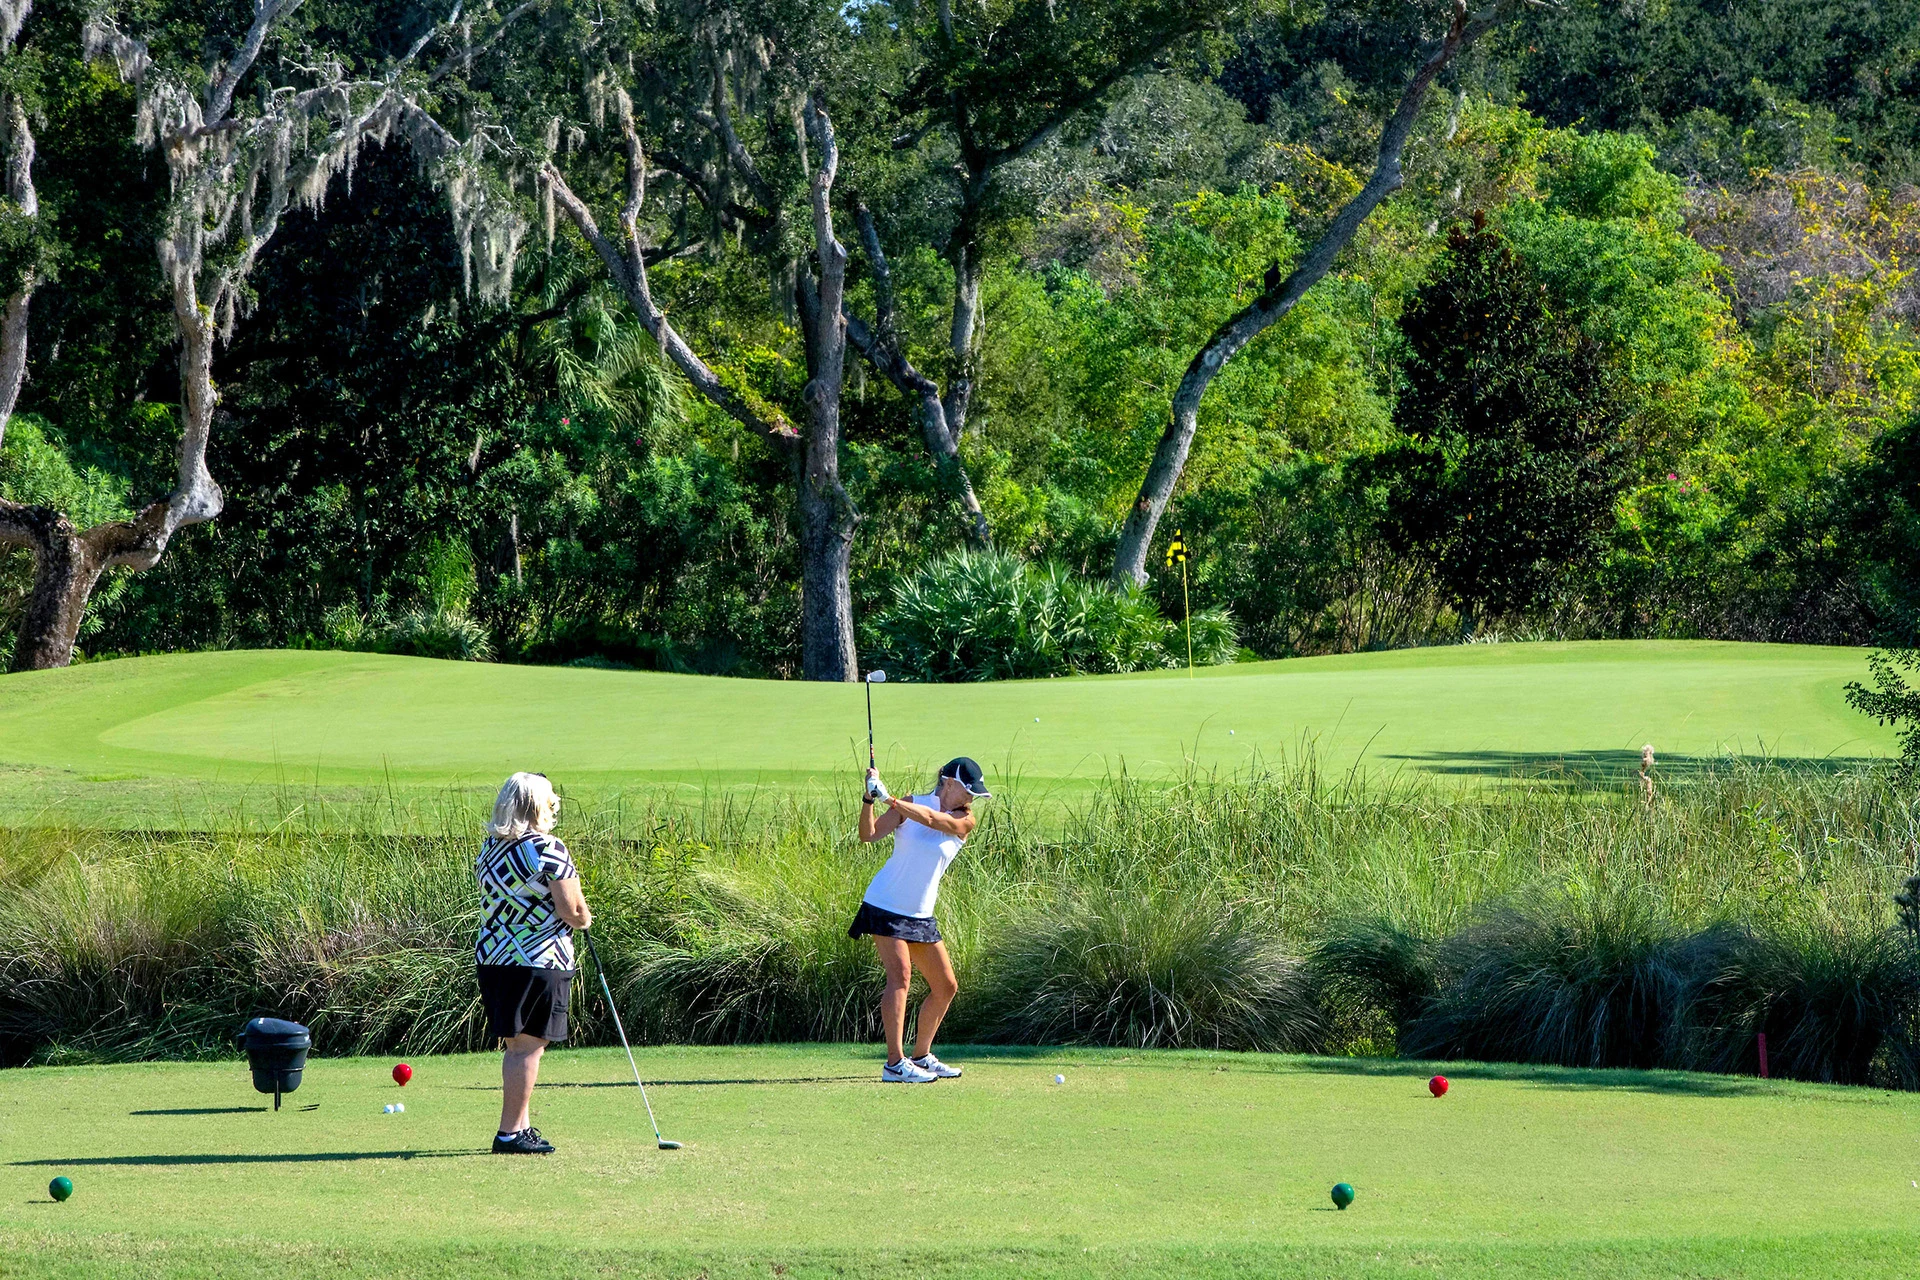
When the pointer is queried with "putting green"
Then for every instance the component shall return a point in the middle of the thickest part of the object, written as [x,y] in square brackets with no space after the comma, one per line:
[798,1162]
[316,719]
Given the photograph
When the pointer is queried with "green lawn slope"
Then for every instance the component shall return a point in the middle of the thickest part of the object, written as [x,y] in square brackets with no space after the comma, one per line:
[125,733]
[798,1162]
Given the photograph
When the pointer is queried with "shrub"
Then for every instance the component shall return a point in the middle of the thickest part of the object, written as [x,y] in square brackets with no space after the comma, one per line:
[1373,964]
[984,615]
[1837,1003]
[1892,701]
[1583,978]
[439,633]
[1165,972]
[730,969]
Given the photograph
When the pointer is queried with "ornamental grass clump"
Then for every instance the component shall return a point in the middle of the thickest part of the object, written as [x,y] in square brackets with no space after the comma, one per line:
[1146,972]
[1581,978]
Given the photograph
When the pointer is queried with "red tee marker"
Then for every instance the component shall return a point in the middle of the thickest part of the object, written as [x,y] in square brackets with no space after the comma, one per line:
[402,1073]
[1437,1085]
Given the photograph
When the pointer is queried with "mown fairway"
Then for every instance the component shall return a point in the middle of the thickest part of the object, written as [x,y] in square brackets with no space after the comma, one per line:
[135,736]
[798,1162]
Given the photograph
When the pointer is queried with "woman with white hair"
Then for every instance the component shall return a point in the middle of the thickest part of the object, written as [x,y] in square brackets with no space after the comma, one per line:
[530,904]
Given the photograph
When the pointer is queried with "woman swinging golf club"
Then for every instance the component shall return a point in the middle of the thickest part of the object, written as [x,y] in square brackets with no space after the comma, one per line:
[531,903]
[897,908]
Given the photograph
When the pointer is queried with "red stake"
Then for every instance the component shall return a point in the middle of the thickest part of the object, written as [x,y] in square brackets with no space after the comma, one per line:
[1762,1038]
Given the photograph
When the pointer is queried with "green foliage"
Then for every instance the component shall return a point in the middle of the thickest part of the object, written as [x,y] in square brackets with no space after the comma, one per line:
[1893,701]
[1768,83]
[438,632]
[1299,558]
[36,472]
[974,615]
[1515,455]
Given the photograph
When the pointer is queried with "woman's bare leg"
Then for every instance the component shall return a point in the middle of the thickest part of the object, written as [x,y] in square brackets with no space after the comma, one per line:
[895,959]
[937,968]
[519,1071]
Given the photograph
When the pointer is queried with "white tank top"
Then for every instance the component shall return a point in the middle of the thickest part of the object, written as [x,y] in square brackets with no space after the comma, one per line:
[910,881]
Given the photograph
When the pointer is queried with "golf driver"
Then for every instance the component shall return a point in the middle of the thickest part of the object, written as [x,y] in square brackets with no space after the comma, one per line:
[665,1144]
[873,678]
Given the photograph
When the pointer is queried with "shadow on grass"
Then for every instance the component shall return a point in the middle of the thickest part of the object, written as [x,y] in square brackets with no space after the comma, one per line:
[291,1157]
[1592,770]
[1415,1070]
[201,1111]
[1582,1078]
[658,1084]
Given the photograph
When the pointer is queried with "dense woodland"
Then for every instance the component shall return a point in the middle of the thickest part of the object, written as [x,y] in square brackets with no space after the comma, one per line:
[769,338]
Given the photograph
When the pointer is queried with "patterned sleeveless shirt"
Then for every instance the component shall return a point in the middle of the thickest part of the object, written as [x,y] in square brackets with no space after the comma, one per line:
[518,922]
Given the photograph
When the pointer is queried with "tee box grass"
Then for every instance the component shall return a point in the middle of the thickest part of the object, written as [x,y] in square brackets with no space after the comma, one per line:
[163,740]
[798,1162]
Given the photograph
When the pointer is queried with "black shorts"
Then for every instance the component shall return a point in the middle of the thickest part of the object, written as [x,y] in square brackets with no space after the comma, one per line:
[887,924]
[522,1000]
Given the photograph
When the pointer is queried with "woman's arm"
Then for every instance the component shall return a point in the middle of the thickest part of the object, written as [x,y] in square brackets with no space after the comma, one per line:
[877,826]
[961,825]
[570,904]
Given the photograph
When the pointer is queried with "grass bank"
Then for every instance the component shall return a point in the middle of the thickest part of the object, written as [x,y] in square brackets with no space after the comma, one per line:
[250,737]
[1272,912]
[799,1163]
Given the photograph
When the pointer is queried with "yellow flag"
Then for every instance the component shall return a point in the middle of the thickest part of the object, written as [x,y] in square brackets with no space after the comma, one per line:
[1176,550]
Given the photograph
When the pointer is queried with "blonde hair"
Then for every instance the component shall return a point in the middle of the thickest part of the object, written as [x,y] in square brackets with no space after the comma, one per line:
[526,803]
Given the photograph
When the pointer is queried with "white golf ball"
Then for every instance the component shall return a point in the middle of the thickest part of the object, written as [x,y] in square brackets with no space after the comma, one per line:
[1036,719]
[1059,1079]
[1229,733]
[399,1106]
[388,1108]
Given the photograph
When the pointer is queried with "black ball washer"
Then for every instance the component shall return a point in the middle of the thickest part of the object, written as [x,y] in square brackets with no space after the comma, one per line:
[277,1051]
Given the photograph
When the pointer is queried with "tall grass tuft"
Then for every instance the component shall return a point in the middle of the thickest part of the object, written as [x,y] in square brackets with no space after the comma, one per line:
[1582,978]
[1148,972]
[1274,909]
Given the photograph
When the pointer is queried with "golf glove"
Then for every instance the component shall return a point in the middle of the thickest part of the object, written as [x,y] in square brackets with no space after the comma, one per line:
[877,790]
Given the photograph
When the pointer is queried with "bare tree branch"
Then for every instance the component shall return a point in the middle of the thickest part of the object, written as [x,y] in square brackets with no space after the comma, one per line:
[1170,457]
[463,61]
[220,92]
[882,348]
[629,275]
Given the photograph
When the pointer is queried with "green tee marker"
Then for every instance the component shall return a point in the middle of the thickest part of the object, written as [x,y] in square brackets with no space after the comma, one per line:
[60,1188]
[1342,1195]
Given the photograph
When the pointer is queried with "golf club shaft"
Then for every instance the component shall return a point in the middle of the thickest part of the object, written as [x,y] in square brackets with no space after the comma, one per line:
[618,1026]
[870,763]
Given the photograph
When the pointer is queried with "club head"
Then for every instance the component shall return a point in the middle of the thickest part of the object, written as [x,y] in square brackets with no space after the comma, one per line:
[876,677]
[667,1144]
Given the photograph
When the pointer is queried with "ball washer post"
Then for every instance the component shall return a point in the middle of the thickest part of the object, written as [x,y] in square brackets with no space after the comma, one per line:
[665,1143]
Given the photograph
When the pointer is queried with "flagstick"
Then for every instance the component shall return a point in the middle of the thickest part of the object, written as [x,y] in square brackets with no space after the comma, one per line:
[1186,606]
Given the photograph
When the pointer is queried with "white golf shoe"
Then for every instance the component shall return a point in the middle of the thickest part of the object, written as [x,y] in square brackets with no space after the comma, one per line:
[939,1068]
[906,1072]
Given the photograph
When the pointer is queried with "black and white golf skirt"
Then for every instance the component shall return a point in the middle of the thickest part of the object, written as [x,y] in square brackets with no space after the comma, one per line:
[882,923]
[522,1000]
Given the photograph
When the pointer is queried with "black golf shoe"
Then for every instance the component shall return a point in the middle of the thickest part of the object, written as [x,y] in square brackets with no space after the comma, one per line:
[527,1142]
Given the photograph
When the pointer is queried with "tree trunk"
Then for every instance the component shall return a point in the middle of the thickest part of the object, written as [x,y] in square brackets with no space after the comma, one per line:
[964,338]
[827,515]
[1170,457]
[827,522]
[66,568]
